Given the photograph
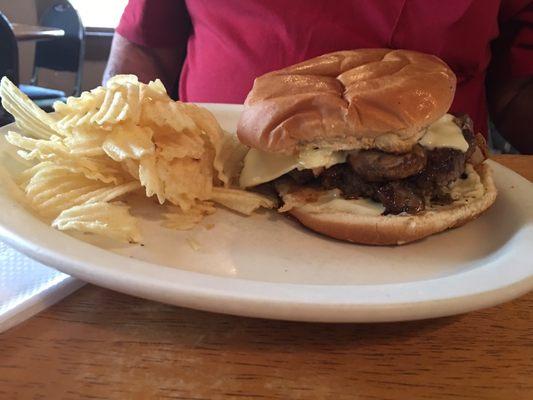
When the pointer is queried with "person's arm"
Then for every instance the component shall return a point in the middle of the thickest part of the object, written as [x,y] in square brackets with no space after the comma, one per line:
[510,81]
[147,63]
[150,41]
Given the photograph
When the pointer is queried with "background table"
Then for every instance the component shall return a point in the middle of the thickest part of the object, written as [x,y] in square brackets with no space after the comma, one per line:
[25,32]
[101,344]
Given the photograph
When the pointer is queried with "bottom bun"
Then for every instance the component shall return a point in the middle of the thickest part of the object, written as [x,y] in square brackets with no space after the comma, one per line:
[399,229]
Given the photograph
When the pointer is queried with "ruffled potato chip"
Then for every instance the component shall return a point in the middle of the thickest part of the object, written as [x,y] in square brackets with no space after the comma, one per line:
[112,220]
[131,167]
[155,90]
[85,142]
[171,145]
[228,161]
[166,114]
[29,117]
[185,180]
[149,178]
[86,102]
[180,220]
[204,120]
[53,188]
[240,200]
[129,141]
[120,100]
[78,111]
[117,139]
[38,148]
[56,150]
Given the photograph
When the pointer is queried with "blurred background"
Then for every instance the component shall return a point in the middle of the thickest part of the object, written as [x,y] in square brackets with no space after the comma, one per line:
[99,27]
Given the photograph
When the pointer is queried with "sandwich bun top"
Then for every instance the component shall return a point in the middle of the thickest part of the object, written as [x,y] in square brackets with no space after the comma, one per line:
[357,99]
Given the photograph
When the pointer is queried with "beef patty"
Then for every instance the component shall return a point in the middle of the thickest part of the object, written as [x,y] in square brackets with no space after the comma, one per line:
[401,182]
[396,196]
[378,166]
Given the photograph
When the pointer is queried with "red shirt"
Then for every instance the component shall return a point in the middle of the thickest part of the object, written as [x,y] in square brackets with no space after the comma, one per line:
[230,42]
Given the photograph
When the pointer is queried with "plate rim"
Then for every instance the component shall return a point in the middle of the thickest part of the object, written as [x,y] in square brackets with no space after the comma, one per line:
[251,298]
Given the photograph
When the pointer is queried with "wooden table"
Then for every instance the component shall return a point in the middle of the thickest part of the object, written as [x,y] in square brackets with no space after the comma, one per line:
[25,32]
[100,344]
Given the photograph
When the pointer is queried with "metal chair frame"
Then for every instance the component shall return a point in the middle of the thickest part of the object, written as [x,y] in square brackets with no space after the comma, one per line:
[13,72]
[11,61]
[80,35]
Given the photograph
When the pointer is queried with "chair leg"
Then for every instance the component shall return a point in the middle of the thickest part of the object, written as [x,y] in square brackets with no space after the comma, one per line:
[35,76]
[77,87]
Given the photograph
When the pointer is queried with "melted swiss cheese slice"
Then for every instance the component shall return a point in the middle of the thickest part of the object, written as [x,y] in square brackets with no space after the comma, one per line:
[444,133]
[353,206]
[260,167]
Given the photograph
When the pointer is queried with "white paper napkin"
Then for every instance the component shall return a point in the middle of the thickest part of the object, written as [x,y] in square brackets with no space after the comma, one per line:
[27,287]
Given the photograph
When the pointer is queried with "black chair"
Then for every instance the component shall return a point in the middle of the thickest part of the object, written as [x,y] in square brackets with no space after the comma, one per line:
[9,53]
[62,54]
[9,60]
[9,66]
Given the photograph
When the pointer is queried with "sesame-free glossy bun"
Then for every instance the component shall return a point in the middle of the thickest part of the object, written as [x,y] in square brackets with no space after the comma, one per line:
[368,98]
[398,229]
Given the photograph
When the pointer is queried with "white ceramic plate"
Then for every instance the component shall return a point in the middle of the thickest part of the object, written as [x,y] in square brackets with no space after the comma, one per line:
[268,266]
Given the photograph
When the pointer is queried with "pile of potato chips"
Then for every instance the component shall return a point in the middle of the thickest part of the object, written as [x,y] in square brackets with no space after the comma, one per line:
[118,139]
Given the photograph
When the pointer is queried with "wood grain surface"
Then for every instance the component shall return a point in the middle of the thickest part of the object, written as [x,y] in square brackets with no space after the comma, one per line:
[99,344]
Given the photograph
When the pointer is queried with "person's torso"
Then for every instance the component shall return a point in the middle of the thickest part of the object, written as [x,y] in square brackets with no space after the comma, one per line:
[234,41]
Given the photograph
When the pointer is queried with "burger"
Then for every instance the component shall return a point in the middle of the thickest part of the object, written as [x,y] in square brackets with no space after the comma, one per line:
[359,146]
